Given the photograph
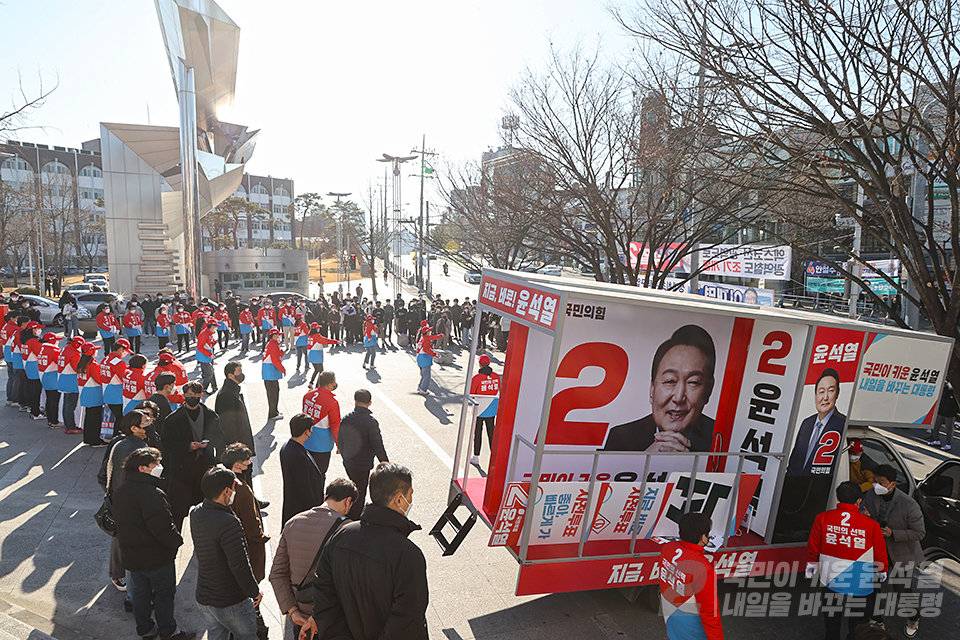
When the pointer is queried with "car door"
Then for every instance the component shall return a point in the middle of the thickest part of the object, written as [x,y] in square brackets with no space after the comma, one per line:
[939,499]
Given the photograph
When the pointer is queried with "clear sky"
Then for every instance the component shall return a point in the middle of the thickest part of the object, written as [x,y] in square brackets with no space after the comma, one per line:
[331,84]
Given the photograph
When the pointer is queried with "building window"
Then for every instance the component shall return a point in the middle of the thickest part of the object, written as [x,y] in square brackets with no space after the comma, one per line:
[56,167]
[16,164]
[280,192]
[260,189]
[91,172]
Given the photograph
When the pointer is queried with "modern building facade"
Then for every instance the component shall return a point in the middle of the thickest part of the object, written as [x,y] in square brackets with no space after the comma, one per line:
[254,272]
[275,196]
[57,191]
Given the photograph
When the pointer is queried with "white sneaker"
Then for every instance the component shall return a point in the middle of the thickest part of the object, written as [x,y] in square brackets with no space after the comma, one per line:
[946,447]
[14,404]
[475,460]
[912,628]
[9,403]
[39,417]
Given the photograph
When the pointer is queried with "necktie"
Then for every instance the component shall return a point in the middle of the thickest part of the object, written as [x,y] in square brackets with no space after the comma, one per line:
[814,441]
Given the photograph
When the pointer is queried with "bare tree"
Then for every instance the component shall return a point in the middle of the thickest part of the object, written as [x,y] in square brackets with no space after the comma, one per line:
[852,102]
[24,103]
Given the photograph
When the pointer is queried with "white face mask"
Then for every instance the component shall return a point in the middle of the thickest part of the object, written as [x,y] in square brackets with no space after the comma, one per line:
[232,496]
[880,489]
[854,458]
[157,470]
[406,514]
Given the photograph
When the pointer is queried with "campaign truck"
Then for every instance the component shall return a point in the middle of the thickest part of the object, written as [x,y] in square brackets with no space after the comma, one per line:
[620,409]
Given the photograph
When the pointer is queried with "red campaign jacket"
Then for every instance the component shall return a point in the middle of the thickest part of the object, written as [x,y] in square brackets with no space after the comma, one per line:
[49,355]
[163,321]
[300,329]
[134,383]
[287,311]
[177,369]
[688,592]
[6,333]
[267,314]
[246,317]
[316,338]
[321,403]
[222,316]
[132,320]
[68,355]
[275,355]
[426,344]
[182,317]
[485,385]
[847,544]
[107,322]
[205,342]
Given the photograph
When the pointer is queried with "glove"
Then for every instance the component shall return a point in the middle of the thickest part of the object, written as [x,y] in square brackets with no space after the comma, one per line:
[883,576]
[811,569]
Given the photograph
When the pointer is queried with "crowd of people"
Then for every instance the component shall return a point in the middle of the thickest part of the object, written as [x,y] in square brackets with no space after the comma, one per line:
[178,449]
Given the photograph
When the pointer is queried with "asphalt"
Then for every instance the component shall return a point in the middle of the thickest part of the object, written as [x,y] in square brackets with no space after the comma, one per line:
[53,558]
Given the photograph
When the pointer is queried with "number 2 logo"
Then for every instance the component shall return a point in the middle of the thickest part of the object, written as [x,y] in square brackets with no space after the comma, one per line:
[826,448]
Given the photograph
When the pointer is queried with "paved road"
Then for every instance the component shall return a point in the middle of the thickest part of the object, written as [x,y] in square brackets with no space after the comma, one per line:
[53,559]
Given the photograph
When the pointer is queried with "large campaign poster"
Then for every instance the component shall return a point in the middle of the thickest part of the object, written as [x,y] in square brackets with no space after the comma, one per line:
[813,455]
[900,380]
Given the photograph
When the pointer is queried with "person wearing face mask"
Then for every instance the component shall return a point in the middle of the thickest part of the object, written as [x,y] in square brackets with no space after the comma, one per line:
[183,322]
[860,466]
[371,581]
[901,522]
[30,347]
[359,440]
[321,405]
[227,591]
[231,406]
[236,457]
[302,478]
[192,441]
[133,325]
[223,326]
[267,320]
[149,541]
[131,435]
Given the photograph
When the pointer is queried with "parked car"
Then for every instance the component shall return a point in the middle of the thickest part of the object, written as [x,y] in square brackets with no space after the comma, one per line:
[587,270]
[90,301]
[472,276]
[95,278]
[550,270]
[80,287]
[51,316]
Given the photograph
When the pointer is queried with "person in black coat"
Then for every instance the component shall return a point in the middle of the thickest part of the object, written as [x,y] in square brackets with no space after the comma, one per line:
[192,442]
[302,478]
[149,541]
[371,580]
[232,410]
[227,591]
[359,440]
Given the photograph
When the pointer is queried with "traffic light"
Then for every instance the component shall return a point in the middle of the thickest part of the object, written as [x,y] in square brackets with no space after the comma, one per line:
[353,261]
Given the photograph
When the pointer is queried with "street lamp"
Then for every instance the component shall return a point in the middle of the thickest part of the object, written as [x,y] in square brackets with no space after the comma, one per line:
[339,240]
[397,161]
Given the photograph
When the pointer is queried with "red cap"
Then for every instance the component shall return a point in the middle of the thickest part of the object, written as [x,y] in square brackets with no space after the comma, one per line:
[314,325]
[369,317]
[484,360]
[88,348]
[298,315]
[122,342]
[33,325]
[856,447]
[77,340]
[423,323]
[49,337]
[166,358]
[275,331]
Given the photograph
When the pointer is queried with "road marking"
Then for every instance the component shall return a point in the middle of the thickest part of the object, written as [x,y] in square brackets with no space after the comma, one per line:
[407,420]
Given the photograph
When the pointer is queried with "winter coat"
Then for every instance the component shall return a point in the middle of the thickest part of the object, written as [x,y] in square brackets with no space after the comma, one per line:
[372,580]
[224,575]
[296,551]
[904,517]
[302,480]
[245,507]
[234,419]
[359,439]
[145,530]
[120,447]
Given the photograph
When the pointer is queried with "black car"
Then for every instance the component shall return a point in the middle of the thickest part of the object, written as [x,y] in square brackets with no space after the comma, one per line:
[939,499]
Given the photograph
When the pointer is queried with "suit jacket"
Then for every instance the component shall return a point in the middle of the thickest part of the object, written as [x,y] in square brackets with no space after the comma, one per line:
[234,419]
[639,434]
[302,480]
[798,465]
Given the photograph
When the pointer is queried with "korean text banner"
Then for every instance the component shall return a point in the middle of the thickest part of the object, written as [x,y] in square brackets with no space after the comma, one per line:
[900,380]
[521,301]
[769,262]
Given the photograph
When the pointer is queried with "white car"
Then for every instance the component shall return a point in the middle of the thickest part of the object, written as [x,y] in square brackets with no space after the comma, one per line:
[550,270]
[80,287]
[50,311]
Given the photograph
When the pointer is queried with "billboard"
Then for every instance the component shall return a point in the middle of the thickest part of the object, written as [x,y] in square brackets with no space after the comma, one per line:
[721,291]
[747,261]
[823,278]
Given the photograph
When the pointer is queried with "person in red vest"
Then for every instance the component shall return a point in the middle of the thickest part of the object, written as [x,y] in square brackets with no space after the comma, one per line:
[267,319]
[47,363]
[272,371]
[133,326]
[223,326]
[163,326]
[321,405]
[167,362]
[205,342]
[300,341]
[425,356]
[246,321]
[134,384]
[112,368]
[108,326]
[485,383]
[688,583]
[183,321]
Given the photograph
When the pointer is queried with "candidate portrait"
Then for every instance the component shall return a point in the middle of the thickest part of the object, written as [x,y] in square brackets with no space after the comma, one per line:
[819,431]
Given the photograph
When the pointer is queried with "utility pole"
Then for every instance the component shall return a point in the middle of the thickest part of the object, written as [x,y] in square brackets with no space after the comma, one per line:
[423,153]
[397,230]
[340,258]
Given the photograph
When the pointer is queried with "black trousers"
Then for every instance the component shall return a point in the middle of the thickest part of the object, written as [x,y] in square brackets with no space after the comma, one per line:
[117,410]
[273,397]
[32,389]
[478,434]
[317,370]
[108,344]
[360,477]
[837,607]
[222,338]
[92,417]
[135,343]
[53,406]
[162,342]
[181,339]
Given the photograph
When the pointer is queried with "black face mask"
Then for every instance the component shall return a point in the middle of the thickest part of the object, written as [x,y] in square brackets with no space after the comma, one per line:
[192,401]
[239,377]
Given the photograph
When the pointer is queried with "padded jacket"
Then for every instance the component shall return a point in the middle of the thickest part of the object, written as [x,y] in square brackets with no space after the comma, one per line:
[371,581]
[145,530]
[224,575]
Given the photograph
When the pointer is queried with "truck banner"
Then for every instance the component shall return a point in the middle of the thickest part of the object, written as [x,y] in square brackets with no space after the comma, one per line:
[900,380]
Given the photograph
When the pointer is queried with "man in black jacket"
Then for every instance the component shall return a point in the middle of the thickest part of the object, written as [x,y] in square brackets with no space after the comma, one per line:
[232,409]
[359,440]
[227,592]
[148,544]
[192,441]
[372,580]
[302,478]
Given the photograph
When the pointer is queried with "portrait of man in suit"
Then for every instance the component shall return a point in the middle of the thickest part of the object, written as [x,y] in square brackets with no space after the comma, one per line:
[814,429]
[681,381]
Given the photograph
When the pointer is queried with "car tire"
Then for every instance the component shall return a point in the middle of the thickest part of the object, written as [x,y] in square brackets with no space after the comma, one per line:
[57,320]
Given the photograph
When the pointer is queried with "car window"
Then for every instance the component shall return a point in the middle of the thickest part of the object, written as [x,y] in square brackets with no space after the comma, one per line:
[876,452]
[94,297]
[944,483]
